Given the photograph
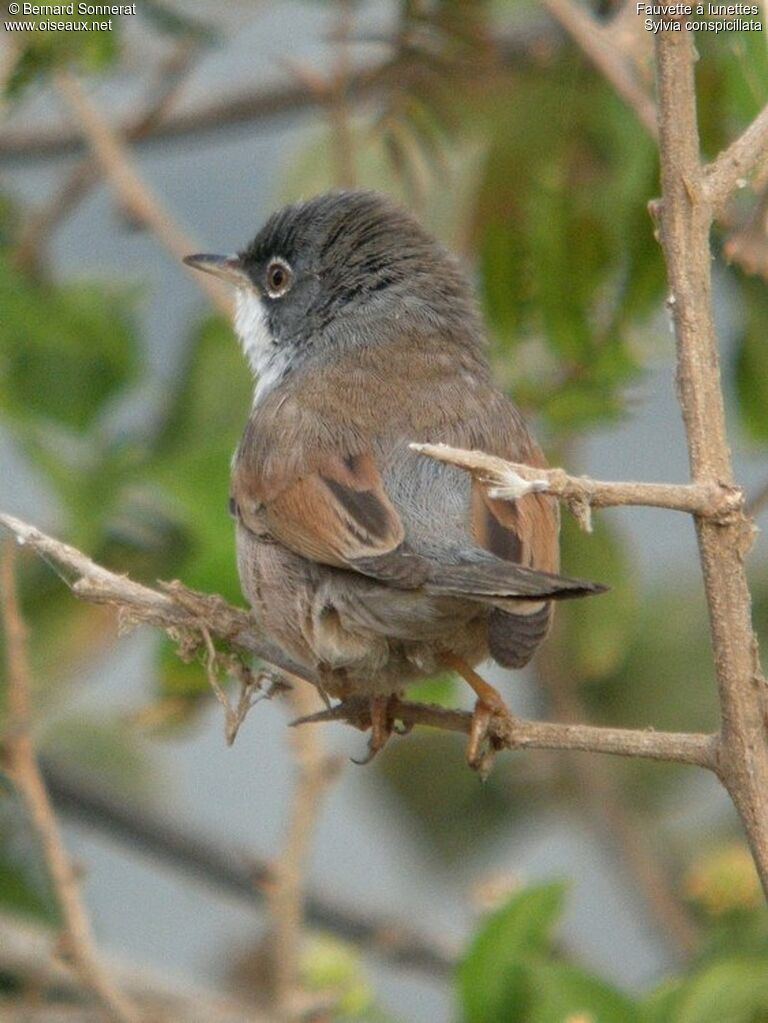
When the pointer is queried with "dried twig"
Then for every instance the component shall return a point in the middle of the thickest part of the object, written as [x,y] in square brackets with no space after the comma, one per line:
[517,733]
[685,221]
[516,46]
[236,871]
[39,225]
[236,629]
[714,500]
[78,946]
[135,194]
[599,43]
[314,769]
[735,165]
[28,954]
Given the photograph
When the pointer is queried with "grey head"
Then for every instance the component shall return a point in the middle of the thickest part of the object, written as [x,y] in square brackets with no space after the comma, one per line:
[343,268]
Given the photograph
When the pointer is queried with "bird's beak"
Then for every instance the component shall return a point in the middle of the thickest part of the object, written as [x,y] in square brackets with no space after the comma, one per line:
[229,268]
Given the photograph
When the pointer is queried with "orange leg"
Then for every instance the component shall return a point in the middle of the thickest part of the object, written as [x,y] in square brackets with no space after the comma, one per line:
[489,703]
[382,727]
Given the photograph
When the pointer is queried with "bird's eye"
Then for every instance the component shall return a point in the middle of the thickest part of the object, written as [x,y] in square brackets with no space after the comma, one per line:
[279,278]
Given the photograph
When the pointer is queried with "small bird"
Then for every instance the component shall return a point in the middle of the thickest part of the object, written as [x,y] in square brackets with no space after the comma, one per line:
[364,560]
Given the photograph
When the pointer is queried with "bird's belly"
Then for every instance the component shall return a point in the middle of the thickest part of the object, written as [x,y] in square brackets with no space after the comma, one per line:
[360,635]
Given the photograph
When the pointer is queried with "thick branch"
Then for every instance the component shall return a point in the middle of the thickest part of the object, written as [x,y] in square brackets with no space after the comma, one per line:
[708,499]
[21,763]
[686,219]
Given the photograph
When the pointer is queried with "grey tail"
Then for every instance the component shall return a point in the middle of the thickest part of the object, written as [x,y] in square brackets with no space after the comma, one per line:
[495,579]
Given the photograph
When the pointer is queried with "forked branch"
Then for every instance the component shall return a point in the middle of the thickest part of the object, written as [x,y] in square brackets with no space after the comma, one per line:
[184,614]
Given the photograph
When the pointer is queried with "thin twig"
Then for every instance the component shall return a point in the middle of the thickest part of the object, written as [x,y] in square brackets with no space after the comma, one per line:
[78,946]
[517,733]
[685,222]
[236,871]
[516,46]
[286,889]
[134,193]
[176,609]
[237,629]
[28,955]
[81,179]
[599,43]
[731,170]
[713,500]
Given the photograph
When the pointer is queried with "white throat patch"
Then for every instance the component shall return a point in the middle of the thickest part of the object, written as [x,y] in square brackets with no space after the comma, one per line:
[267,360]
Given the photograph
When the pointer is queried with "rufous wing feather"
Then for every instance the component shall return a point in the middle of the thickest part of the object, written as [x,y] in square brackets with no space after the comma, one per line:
[334,515]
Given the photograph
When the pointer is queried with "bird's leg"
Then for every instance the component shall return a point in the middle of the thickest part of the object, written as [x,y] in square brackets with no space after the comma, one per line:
[489,703]
[382,727]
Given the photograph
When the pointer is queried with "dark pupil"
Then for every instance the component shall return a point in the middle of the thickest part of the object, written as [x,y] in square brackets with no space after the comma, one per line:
[277,277]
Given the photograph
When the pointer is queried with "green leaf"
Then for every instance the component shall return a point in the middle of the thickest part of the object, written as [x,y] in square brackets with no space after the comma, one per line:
[44,51]
[493,977]
[729,991]
[193,453]
[64,351]
[562,992]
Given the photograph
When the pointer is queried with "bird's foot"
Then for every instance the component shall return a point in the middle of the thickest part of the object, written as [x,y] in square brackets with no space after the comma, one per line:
[382,727]
[481,747]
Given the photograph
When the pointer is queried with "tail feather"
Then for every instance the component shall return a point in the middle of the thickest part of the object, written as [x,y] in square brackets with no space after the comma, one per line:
[505,579]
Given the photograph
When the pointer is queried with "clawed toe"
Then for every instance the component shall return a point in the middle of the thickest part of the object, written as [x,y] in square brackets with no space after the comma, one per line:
[481,747]
[382,727]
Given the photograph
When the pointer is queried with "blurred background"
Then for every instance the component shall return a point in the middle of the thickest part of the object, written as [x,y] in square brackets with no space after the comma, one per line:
[567,883]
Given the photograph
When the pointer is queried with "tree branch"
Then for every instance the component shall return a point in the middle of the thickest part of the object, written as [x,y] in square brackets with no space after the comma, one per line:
[708,499]
[28,955]
[284,99]
[21,763]
[685,221]
[135,194]
[182,613]
[314,770]
[516,733]
[599,42]
[735,165]
[235,871]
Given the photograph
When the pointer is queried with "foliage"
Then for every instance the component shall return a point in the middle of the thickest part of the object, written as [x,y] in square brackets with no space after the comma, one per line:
[513,970]
[538,174]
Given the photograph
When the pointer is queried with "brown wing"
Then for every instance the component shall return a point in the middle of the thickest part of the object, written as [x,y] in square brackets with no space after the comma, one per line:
[334,515]
[525,531]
